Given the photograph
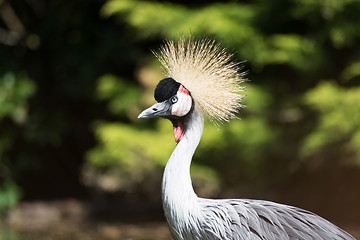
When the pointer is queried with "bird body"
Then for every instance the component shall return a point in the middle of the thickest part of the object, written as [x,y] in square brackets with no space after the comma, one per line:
[193,218]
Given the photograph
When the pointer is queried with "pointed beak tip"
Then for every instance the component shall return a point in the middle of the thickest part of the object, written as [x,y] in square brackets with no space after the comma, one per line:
[145,114]
[141,115]
[156,110]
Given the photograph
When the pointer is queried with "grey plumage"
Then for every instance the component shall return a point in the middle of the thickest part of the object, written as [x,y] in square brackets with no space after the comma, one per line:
[239,219]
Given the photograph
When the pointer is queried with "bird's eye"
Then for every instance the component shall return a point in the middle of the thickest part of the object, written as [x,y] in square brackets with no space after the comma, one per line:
[174,99]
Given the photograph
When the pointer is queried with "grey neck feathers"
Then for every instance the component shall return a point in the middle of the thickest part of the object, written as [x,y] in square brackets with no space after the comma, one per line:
[179,198]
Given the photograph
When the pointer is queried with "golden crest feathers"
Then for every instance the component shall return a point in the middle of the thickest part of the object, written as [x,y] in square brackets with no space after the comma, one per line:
[206,70]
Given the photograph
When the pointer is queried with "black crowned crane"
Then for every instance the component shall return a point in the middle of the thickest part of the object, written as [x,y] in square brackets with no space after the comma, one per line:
[202,80]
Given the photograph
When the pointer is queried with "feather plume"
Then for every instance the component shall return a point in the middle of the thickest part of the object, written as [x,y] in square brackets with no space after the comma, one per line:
[206,70]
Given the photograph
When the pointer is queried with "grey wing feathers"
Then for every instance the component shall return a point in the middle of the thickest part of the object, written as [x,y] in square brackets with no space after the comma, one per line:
[256,219]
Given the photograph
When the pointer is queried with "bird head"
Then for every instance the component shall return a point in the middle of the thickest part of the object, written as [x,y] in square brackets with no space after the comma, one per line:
[200,74]
[174,102]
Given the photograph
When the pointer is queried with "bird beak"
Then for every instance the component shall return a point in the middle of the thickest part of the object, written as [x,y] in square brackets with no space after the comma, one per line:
[161,109]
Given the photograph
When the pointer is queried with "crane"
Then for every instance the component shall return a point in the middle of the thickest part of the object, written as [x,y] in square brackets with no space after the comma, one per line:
[202,80]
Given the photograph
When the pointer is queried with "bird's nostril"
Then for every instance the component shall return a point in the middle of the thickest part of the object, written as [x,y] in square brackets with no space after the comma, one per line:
[154,109]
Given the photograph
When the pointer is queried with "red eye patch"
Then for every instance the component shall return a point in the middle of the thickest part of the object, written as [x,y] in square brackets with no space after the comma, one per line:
[183,90]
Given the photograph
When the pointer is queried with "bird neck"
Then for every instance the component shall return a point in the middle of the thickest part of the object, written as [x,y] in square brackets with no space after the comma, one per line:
[177,192]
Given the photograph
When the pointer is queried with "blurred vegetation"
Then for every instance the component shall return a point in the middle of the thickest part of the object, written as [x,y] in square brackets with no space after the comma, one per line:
[75,75]
[338,124]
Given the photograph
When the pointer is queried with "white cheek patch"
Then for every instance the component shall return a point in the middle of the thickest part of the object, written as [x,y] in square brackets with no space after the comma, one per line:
[183,105]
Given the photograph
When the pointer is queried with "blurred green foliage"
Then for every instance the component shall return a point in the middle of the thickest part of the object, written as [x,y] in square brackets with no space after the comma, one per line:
[338,124]
[75,80]
[14,93]
[122,96]
[10,194]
